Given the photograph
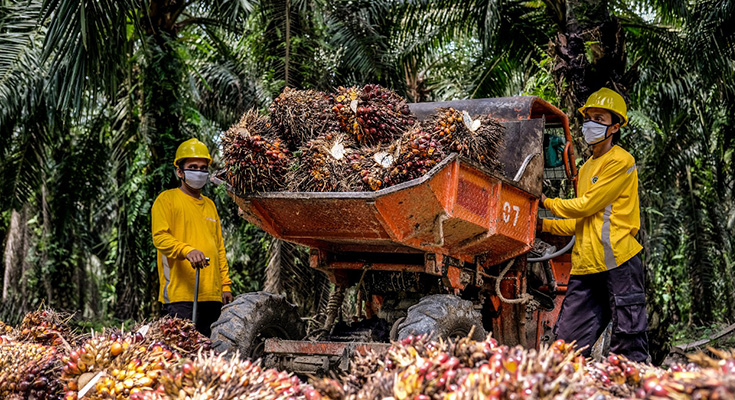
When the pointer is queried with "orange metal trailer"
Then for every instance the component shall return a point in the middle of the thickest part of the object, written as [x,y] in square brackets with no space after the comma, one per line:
[459,231]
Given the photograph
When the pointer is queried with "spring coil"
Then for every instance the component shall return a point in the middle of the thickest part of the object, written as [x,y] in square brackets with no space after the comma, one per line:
[333,306]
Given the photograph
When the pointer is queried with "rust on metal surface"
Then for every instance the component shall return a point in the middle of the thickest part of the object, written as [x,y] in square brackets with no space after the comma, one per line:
[454,278]
[509,327]
[376,266]
[501,108]
[457,209]
[561,267]
[296,347]
[453,210]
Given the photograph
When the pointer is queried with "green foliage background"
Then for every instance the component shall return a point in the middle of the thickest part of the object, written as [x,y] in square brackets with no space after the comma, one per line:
[96,95]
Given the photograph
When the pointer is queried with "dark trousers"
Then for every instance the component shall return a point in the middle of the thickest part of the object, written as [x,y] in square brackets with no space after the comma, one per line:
[207,313]
[595,299]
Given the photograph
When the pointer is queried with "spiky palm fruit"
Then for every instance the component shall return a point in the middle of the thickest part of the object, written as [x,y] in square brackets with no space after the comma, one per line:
[361,368]
[135,371]
[372,114]
[45,327]
[704,377]
[619,376]
[123,365]
[29,371]
[302,115]
[419,152]
[552,372]
[213,376]
[323,165]
[7,330]
[419,369]
[255,159]
[369,167]
[180,334]
[480,139]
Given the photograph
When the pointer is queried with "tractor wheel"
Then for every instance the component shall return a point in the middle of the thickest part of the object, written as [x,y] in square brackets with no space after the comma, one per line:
[442,316]
[250,319]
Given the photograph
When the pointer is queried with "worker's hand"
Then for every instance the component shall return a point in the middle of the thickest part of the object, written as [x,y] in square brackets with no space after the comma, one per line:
[543,199]
[197,259]
[226,297]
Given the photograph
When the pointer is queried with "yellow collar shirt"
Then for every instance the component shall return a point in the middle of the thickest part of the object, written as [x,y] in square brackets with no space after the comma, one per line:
[180,224]
[605,215]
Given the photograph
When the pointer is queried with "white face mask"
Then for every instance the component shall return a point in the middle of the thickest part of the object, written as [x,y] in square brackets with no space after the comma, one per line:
[196,179]
[594,132]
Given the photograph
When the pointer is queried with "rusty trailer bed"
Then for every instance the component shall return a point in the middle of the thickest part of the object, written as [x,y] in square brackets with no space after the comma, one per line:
[457,209]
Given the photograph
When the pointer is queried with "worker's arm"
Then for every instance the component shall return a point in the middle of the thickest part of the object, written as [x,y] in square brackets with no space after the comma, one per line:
[610,184]
[224,268]
[559,227]
[164,241]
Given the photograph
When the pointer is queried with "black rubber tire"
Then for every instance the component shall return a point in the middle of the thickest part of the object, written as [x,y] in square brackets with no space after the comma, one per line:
[442,316]
[250,319]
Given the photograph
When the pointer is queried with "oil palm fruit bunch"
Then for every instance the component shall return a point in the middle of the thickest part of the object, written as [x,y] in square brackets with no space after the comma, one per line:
[29,371]
[362,368]
[45,327]
[6,330]
[619,376]
[706,377]
[433,372]
[302,115]
[180,334]
[121,365]
[480,139]
[256,160]
[323,164]
[135,371]
[212,376]
[372,114]
[552,372]
[369,167]
[419,369]
[419,151]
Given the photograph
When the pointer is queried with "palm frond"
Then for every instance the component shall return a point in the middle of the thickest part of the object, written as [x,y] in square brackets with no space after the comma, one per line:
[22,71]
[85,43]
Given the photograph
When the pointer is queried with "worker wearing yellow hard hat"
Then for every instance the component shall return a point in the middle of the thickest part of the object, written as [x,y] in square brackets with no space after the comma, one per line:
[594,129]
[188,235]
[607,277]
[192,148]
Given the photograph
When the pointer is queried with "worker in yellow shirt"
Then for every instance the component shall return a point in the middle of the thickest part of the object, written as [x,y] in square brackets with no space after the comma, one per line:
[607,279]
[188,235]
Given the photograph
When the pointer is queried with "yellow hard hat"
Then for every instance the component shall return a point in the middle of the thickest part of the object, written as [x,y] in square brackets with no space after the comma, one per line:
[609,100]
[192,148]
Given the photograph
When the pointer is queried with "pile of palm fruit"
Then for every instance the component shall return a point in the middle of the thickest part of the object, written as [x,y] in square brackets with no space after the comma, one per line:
[44,327]
[356,139]
[211,376]
[422,370]
[44,358]
[372,114]
[29,370]
[256,159]
[168,359]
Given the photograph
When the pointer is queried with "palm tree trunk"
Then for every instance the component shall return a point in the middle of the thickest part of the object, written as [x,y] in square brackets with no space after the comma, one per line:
[12,246]
[162,104]
[45,231]
[286,59]
[589,54]
[15,287]
[273,282]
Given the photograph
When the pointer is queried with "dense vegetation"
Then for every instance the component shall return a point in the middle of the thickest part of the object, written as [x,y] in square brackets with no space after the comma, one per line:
[96,95]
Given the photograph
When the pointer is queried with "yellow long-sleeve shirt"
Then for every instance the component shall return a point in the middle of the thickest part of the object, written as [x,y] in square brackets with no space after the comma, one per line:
[180,224]
[605,215]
